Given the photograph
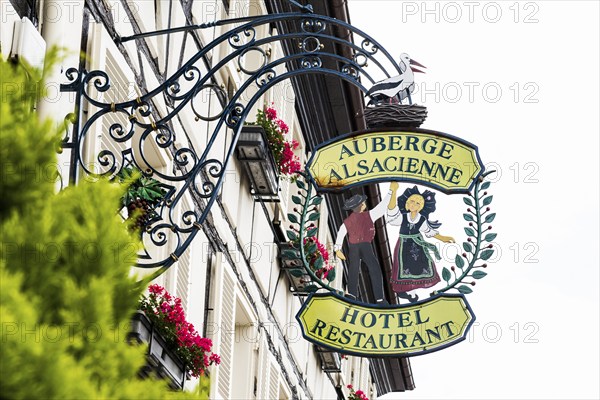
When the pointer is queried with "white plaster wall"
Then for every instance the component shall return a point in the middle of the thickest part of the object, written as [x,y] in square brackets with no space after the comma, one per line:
[241,225]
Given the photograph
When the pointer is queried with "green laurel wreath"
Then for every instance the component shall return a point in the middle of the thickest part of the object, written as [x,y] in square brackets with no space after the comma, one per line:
[477,247]
[309,213]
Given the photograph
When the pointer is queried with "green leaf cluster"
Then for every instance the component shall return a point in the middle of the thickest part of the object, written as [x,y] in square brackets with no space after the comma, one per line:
[27,151]
[474,246]
[65,291]
[139,186]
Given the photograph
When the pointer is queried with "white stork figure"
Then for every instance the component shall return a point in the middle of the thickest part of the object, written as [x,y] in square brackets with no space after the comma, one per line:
[396,88]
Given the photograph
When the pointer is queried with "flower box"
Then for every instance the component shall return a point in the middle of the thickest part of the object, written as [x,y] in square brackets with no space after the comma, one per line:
[161,360]
[253,152]
[331,361]
[318,257]
[293,268]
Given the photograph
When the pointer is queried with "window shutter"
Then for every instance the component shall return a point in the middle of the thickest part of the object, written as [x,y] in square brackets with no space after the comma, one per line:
[222,324]
[103,55]
[364,376]
[122,89]
[274,381]
[263,371]
[183,278]
[226,336]
[183,264]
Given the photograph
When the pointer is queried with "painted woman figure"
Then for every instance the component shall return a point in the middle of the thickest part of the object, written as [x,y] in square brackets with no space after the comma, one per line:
[414,267]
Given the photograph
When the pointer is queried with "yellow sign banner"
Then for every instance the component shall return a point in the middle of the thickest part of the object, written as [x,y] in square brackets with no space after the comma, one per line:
[421,156]
[358,329]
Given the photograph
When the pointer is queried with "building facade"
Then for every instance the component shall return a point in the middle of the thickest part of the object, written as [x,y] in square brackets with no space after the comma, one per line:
[231,278]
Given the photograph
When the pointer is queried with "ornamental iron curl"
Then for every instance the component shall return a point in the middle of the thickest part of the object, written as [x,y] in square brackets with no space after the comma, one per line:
[142,126]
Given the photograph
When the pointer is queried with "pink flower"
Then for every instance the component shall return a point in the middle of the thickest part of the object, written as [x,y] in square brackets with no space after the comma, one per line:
[283,150]
[167,315]
[271,113]
[283,126]
[156,289]
[350,387]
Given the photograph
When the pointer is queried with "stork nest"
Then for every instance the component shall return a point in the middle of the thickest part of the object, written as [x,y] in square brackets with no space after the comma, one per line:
[395,115]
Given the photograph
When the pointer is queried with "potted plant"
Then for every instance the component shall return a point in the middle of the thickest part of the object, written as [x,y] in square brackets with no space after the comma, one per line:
[356,395]
[331,361]
[143,195]
[317,258]
[266,154]
[180,338]
[282,149]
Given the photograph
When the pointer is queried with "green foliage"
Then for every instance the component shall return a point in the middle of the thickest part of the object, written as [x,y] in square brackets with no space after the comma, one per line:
[316,200]
[467,247]
[203,388]
[477,218]
[314,216]
[291,254]
[139,187]
[490,218]
[490,237]
[446,274]
[460,262]
[479,274]
[311,288]
[293,236]
[464,289]
[65,291]
[28,144]
[486,254]
[297,272]
[317,261]
[311,232]
[293,218]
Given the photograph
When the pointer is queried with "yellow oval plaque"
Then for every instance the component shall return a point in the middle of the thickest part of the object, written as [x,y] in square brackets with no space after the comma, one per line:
[425,157]
[355,328]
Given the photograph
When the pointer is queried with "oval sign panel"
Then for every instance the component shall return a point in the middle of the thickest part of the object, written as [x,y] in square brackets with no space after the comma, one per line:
[378,331]
[425,157]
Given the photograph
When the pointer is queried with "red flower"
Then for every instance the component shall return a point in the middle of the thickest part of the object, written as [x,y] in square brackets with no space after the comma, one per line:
[155,289]
[356,395]
[282,149]
[167,315]
[282,125]
[271,113]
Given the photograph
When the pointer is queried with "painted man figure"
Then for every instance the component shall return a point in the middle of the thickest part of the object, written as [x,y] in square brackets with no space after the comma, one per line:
[360,228]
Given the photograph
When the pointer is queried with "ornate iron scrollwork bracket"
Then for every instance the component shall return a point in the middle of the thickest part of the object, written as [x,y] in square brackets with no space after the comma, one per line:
[129,128]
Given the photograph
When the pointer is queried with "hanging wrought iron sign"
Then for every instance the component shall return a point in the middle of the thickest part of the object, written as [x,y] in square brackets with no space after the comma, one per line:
[394,149]
[337,321]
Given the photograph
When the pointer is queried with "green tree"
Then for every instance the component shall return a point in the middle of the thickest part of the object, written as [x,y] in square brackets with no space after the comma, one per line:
[65,291]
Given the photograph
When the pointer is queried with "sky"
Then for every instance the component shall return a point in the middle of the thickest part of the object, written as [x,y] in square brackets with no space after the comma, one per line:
[519,80]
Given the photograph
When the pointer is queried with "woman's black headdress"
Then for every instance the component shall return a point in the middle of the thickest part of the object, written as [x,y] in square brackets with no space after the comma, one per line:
[428,207]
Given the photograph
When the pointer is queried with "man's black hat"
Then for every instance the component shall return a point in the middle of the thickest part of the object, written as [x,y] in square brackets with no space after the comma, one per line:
[354,201]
